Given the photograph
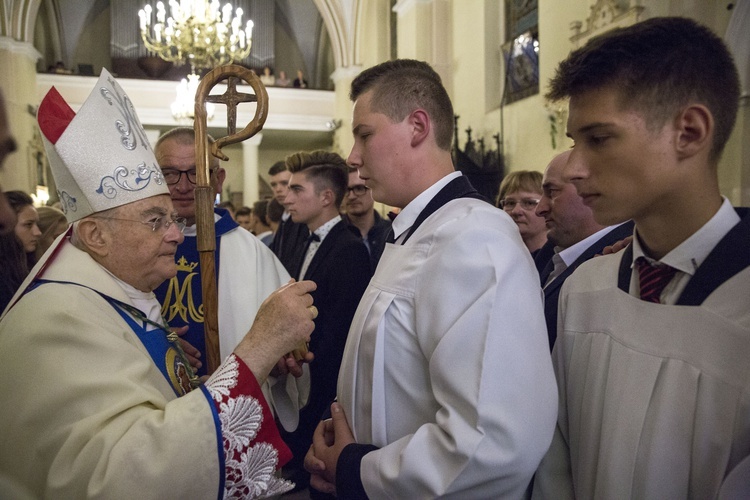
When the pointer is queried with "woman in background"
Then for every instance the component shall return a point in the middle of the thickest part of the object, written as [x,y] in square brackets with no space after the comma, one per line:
[17,248]
[267,77]
[520,193]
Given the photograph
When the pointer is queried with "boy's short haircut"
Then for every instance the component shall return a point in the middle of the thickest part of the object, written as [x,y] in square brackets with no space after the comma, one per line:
[403,85]
[279,166]
[324,168]
[243,211]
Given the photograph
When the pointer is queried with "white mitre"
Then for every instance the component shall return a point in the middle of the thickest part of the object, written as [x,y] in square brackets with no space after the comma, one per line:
[100,157]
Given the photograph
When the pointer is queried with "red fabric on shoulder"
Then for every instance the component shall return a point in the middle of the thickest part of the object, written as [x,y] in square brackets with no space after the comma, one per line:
[54,115]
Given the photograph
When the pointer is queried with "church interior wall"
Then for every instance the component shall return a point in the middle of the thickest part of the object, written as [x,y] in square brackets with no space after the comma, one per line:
[467,61]
[370,44]
[733,169]
[43,41]
[97,29]
[288,56]
[493,57]
[19,170]
[324,62]
[373,33]
[235,170]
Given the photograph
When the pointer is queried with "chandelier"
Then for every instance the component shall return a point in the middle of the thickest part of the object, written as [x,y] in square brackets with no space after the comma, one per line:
[205,34]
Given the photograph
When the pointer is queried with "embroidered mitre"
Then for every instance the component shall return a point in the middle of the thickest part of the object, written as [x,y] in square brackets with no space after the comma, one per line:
[100,157]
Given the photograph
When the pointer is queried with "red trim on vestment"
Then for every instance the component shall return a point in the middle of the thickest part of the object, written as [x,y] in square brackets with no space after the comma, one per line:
[268,433]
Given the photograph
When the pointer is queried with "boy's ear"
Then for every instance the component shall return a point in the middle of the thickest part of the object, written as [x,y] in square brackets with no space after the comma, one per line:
[695,130]
[327,196]
[421,125]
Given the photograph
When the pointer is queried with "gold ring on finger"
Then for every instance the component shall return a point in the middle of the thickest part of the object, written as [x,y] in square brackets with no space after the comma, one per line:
[314,311]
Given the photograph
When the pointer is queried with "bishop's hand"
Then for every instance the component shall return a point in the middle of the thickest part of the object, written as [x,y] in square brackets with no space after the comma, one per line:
[284,321]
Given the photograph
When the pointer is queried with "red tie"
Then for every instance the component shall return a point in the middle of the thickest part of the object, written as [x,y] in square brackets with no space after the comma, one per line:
[653,279]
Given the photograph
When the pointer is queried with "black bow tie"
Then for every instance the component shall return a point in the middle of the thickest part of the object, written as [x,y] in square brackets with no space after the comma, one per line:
[313,237]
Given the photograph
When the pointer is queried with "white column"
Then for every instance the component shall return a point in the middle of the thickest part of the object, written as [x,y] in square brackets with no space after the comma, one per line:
[342,134]
[250,168]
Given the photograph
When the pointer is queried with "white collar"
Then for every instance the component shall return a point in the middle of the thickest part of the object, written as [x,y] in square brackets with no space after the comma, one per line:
[408,215]
[145,302]
[571,254]
[690,254]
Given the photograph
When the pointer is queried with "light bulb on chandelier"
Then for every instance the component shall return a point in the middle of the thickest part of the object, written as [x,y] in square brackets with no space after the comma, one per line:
[183,108]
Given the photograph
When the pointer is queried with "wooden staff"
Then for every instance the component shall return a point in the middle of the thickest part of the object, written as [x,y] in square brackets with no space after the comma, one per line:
[204,192]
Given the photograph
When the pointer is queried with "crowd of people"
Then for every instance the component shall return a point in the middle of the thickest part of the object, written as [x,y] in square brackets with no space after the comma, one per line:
[584,336]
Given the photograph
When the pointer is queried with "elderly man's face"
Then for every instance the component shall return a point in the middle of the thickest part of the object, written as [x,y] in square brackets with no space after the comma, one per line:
[138,255]
[7,146]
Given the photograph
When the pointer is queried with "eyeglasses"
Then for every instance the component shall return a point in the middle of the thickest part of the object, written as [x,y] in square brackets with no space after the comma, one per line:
[359,189]
[172,176]
[526,203]
[162,222]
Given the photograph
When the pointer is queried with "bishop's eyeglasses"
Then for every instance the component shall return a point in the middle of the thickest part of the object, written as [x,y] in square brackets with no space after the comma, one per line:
[157,224]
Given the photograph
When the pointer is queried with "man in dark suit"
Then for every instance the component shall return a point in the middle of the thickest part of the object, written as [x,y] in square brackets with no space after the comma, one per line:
[338,262]
[289,240]
[573,236]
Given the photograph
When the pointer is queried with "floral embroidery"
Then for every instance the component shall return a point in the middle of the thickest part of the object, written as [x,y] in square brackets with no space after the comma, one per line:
[250,470]
[224,379]
[247,414]
[142,176]
[253,475]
